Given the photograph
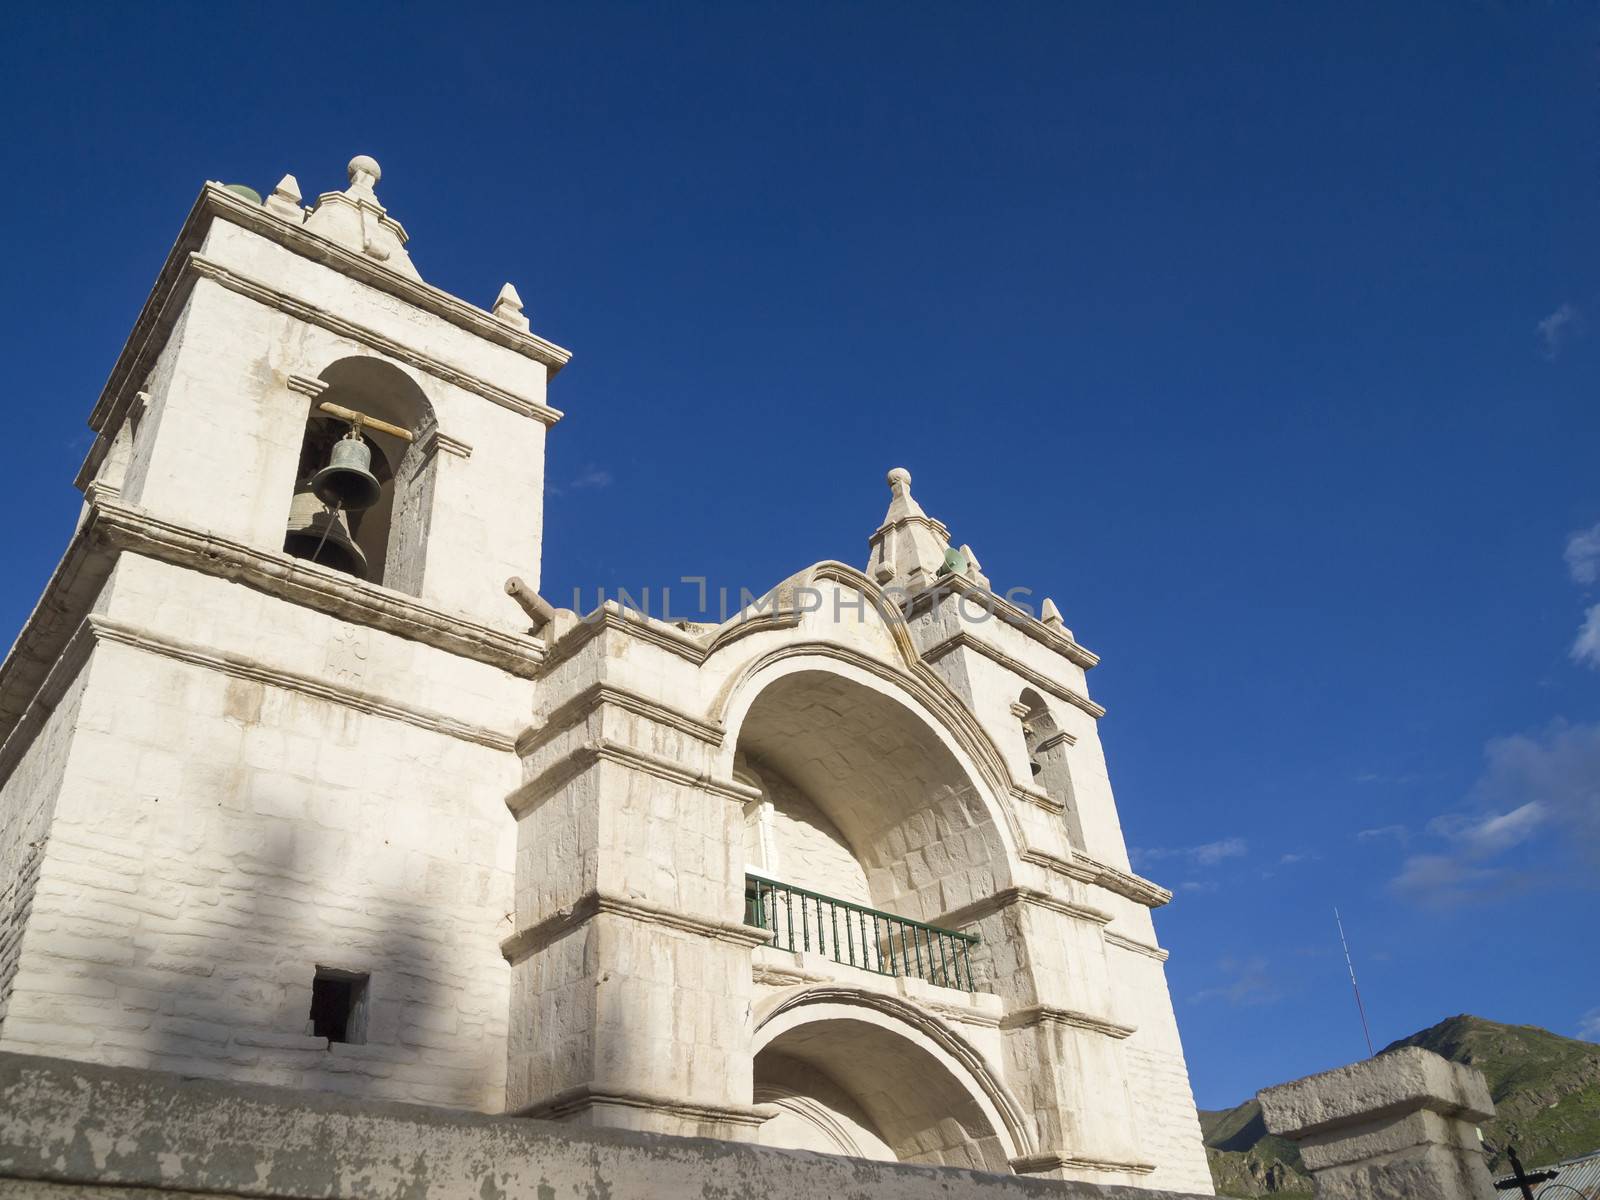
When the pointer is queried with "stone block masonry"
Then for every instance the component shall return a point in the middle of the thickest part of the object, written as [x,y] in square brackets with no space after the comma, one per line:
[1400,1126]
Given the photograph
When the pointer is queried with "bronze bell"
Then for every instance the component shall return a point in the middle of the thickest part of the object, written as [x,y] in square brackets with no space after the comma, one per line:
[347,482]
[322,535]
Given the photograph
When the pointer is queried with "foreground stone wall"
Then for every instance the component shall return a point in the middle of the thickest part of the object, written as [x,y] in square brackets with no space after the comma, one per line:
[72,1130]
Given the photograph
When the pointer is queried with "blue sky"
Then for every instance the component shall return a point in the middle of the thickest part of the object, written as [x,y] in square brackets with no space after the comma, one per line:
[1262,337]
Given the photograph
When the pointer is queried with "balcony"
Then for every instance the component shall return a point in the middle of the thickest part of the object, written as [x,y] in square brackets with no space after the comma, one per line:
[856,936]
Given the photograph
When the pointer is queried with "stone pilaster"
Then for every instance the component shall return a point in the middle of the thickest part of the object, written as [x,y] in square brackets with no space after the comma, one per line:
[1063,1046]
[630,960]
[1401,1126]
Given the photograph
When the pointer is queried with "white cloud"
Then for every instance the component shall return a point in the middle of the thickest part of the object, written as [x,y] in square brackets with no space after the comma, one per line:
[1586,647]
[1198,886]
[1207,854]
[590,477]
[1488,834]
[1589,1025]
[1544,785]
[1398,832]
[1244,984]
[1583,555]
[1559,328]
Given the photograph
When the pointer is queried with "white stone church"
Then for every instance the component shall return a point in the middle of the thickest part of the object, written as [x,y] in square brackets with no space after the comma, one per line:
[302,783]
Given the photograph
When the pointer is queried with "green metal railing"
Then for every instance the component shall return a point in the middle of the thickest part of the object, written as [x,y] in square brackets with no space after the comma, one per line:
[858,936]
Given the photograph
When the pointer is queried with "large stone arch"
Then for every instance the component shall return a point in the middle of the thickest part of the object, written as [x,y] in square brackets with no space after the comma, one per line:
[859,1072]
[920,813]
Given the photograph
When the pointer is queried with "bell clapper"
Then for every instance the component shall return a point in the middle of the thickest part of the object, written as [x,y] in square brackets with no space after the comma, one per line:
[327,526]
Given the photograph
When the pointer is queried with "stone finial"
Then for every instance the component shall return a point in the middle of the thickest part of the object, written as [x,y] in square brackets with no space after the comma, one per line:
[364,174]
[908,549]
[285,200]
[974,567]
[508,307]
[354,219]
[1401,1126]
[1050,615]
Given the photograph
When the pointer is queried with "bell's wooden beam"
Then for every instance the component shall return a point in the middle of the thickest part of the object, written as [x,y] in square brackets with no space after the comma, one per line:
[366,422]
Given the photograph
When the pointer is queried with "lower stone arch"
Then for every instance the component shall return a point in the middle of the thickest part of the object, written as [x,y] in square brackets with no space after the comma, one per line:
[859,1072]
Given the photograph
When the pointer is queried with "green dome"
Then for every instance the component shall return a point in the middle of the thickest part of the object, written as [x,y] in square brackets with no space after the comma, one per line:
[240,189]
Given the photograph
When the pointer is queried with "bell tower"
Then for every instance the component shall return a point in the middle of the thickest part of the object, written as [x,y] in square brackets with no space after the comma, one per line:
[256,737]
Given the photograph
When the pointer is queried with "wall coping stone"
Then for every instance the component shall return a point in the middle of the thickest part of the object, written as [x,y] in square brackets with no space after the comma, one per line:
[107,1129]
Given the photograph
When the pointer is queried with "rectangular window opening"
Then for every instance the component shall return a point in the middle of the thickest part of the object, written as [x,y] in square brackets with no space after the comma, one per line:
[339,1005]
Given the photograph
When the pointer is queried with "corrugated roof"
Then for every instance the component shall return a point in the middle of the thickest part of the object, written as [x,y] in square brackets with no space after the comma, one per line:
[1580,1174]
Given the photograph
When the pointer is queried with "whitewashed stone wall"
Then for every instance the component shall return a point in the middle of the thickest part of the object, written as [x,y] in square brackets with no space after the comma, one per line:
[1158,1076]
[219,836]
[808,849]
[27,806]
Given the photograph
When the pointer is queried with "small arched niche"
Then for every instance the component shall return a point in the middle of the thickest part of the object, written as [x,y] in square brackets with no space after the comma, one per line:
[383,543]
[1046,744]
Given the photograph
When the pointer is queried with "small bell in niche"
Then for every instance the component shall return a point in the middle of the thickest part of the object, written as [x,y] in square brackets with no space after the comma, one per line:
[347,483]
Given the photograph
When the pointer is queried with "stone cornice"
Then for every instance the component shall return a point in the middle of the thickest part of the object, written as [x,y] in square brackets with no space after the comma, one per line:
[586,1096]
[964,639]
[596,903]
[263,293]
[122,527]
[216,202]
[240,666]
[1020,620]
[1038,798]
[110,528]
[1035,1164]
[1127,943]
[74,653]
[570,765]
[614,618]
[1045,1014]
[1087,870]
[572,711]
[956,918]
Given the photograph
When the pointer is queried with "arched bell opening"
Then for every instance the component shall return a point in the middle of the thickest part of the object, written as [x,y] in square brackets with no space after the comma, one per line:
[863,800]
[1046,746]
[349,537]
[848,1078]
[364,487]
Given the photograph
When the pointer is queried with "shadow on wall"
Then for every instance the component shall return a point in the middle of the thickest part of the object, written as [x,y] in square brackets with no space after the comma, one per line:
[274,915]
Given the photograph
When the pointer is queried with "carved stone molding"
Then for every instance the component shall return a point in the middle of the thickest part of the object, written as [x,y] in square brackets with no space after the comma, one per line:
[572,711]
[1044,1014]
[1128,943]
[1087,870]
[262,293]
[242,667]
[962,639]
[1035,1164]
[595,903]
[572,764]
[988,905]
[586,1096]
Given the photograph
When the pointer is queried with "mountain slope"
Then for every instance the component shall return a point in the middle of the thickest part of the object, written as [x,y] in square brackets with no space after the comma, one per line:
[1546,1091]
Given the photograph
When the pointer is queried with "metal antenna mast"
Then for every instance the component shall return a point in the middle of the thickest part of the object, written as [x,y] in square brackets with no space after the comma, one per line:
[1354,987]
